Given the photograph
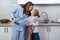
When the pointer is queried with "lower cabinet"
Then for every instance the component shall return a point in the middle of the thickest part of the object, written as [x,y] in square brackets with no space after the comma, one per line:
[55,33]
[43,32]
[9,35]
[5,33]
[49,33]
[1,33]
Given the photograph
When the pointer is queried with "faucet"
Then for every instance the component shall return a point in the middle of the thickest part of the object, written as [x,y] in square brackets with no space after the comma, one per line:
[46,20]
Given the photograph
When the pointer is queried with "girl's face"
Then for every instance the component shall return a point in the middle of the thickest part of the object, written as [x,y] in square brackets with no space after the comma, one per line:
[33,12]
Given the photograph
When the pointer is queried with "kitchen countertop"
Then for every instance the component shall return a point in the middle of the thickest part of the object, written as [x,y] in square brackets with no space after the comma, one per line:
[41,24]
[49,24]
[5,24]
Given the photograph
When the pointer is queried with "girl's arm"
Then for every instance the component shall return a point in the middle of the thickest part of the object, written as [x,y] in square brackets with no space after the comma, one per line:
[37,18]
[27,22]
[36,21]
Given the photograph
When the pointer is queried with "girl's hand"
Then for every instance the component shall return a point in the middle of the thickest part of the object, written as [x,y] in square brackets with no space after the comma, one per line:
[30,24]
[36,18]
[15,20]
[27,23]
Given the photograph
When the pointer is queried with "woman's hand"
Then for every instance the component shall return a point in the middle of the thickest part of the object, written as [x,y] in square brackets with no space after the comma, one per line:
[15,20]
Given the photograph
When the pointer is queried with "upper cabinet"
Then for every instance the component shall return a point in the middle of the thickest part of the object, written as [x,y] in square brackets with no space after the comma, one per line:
[34,1]
[40,1]
[5,2]
[52,1]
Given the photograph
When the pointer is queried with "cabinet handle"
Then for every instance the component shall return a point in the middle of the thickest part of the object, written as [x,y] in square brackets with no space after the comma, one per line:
[49,29]
[6,29]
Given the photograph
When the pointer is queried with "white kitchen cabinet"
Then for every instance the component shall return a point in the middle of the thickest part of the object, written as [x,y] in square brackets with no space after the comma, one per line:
[8,2]
[34,1]
[5,33]
[9,33]
[52,1]
[46,33]
[55,33]
[43,32]
[1,33]
[39,1]
[50,33]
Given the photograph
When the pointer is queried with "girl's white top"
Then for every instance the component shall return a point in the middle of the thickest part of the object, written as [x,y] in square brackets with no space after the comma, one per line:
[34,22]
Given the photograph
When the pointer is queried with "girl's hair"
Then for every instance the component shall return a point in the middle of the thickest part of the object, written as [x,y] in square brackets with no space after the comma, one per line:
[36,12]
[26,7]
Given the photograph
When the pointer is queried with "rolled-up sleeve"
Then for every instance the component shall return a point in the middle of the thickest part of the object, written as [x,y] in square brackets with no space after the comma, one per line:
[20,15]
[18,12]
[12,12]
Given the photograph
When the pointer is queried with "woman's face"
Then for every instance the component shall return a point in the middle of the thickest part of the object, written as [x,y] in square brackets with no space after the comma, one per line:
[30,8]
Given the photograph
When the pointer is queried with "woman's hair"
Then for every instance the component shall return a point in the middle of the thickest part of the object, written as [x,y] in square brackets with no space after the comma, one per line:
[26,7]
[36,12]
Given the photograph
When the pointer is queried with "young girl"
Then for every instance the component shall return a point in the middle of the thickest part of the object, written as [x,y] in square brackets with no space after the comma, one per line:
[33,19]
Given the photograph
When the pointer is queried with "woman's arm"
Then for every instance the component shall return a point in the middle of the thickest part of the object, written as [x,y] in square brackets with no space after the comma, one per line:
[18,11]
[13,12]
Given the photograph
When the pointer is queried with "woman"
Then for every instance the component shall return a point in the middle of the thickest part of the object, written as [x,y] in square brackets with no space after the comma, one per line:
[18,25]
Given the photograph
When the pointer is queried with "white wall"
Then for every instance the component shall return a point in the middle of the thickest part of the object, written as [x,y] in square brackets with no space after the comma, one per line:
[5,6]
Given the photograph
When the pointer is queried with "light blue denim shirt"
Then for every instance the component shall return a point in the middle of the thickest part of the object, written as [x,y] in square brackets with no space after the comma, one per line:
[18,11]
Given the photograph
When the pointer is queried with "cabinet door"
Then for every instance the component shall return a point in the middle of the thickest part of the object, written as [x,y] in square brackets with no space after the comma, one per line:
[1,33]
[55,33]
[9,33]
[5,33]
[43,32]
